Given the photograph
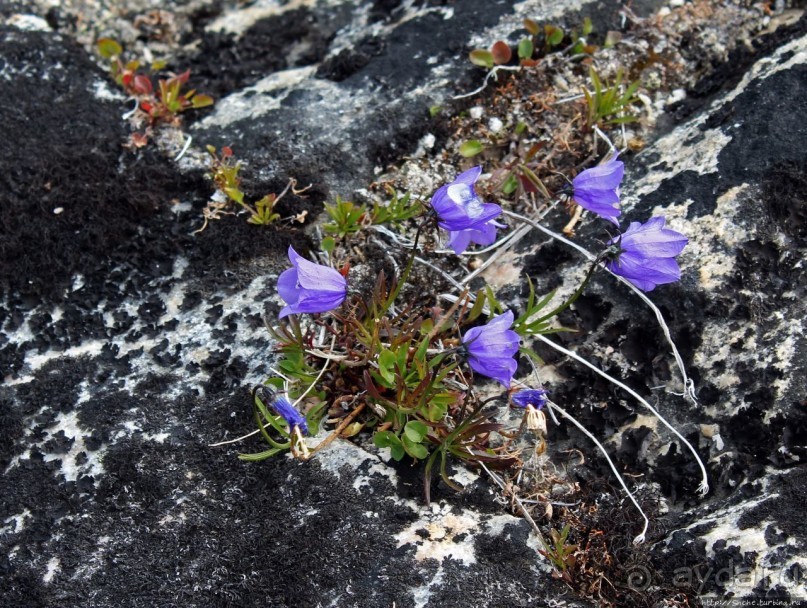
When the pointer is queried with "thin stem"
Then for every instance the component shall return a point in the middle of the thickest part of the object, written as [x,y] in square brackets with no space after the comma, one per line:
[703,488]
[641,537]
[517,235]
[578,292]
[508,491]
[400,283]
[492,73]
[297,401]
[689,384]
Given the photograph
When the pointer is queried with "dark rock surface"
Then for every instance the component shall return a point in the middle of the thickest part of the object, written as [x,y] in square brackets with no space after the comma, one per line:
[128,344]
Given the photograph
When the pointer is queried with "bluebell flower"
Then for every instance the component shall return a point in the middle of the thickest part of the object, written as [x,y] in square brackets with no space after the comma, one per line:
[535,397]
[285,410]
[597,189]
[310,287]
[492,348]
[459,240]
[458,206]
[644,254]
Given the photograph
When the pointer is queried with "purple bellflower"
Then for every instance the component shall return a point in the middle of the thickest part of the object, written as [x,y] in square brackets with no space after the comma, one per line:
[286,410]
[459,240]
[645,254]
[310,287]
[492,348]
[281,406]
[535,397]
[597,189]
[458,207]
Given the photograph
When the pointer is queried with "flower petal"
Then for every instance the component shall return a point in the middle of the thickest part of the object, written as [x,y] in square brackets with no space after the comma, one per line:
[459,240]
[653,240]
[317,277]
[470,176]
[287,286]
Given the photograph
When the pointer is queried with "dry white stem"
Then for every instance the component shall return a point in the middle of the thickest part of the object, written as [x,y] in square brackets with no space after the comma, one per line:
[641,537]
[688,383]
[184,148]
[703,488]
[493,73]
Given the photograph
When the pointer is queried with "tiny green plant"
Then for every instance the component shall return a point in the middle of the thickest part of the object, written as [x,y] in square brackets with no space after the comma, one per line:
[161,104]
[224,171]
[346,217]
[607,104]
[397,210]
[560,552]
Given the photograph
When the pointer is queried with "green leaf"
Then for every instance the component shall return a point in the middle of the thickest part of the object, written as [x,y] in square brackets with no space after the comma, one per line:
[386,366]
[493,303]
[525,48]
[414,449]
[510,184]
[385,439]
[524,350]
[437,407]
[235,195]
[328,244]
[257,457]
[482,58]
[315,415]
[108,48]
[471,148]
[531,27]
[201,101]
[554,35]
[588,26]
[479,304]
[416,431]
[434,111]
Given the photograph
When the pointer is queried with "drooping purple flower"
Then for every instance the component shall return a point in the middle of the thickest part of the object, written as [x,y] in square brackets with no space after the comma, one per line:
[492,348]
[597,189]
[286,410]
[310,287]
[646,253]
[458,207]
[281,406]
[459,240]
[535,397]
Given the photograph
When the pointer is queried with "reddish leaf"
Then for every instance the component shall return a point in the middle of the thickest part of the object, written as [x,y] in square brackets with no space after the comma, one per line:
[501,52]
[142,85]
[184,76]
[527,184]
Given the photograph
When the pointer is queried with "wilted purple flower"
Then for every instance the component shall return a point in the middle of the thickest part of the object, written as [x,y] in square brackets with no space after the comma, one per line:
[597,189]
[458,206]
[286,410]
[535,397]
[492,348]
[281,406]
[645,254]
[310,287]
[459,240]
